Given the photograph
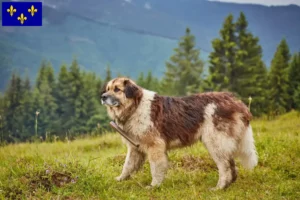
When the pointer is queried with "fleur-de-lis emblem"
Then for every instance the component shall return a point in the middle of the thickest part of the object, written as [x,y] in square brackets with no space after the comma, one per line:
[22,18]
[11,10]
[32,10]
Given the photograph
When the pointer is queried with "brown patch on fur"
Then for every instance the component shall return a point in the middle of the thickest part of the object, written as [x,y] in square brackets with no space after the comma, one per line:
[177,117]
[227,107]
[181,117]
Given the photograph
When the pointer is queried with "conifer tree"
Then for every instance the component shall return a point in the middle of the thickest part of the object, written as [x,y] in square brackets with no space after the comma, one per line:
[75,98]
[41,74]
[27,110]
[278,81]
[69,88]
[250,74]
[13,98]
[149,82]
[62,99]
[91,106]
[296,98]
[285,51]
[108,76]
[294,79]
[222,59]
[236,64]
[183,73]
[140,80]
[44,99]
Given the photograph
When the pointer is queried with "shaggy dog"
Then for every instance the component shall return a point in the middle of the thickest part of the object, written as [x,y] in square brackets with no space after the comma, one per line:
[159,123]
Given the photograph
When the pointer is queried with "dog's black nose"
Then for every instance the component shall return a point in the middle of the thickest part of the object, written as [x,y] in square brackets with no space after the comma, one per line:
[104,97]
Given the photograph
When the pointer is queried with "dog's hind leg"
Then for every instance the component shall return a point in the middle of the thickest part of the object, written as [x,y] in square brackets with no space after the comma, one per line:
[234,172]
[221,149]
[227,173]
[133,162]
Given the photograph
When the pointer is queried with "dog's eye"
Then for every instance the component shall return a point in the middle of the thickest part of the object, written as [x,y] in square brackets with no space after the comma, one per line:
[116,89]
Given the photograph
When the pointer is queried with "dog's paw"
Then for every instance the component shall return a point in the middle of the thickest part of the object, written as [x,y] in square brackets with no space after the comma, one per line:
[119,178]
[149,187]
[214,188]
[217,188]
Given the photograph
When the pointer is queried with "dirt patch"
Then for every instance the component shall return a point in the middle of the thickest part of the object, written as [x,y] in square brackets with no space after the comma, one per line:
[48,179]
[192,163]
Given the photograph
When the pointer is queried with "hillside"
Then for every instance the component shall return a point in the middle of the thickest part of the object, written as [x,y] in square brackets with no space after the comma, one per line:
[85,169]
[134,36]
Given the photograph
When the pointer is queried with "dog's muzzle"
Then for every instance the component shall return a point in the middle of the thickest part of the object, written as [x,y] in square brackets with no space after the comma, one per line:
[109,100]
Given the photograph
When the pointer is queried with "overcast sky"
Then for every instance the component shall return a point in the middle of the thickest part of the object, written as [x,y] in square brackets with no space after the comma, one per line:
[265,2]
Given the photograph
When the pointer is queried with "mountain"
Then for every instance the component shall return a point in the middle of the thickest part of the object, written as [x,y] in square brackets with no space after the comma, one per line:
[136,35]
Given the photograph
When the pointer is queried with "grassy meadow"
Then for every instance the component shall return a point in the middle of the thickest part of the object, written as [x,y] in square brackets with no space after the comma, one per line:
[86,168]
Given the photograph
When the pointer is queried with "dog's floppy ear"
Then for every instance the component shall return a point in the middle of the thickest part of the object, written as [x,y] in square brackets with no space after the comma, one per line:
[130,89]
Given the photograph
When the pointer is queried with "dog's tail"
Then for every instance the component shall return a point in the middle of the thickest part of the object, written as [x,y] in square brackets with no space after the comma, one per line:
[247,151]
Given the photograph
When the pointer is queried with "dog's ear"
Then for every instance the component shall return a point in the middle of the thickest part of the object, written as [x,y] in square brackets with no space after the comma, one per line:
[131,89]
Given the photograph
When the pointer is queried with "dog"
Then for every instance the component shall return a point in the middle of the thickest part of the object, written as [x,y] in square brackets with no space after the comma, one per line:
[161,123]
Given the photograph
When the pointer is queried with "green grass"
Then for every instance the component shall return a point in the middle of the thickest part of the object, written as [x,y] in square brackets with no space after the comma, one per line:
[86,168]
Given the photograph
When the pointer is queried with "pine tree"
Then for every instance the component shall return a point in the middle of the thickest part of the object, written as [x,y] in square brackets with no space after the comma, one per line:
[140,80]
[236,64]
[27,110]
[64,110]
[222,59]
[45,99]
[70,98]
[249,76]
[108,74]
[296,98]
[149,82]
[278,81]
[294,79]
[183,73]
[41,74]
[46,73]
[91,104]
[76,97]
[13,98]
[284,50]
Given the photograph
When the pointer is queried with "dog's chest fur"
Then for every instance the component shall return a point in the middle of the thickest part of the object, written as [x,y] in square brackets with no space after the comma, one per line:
[140,121]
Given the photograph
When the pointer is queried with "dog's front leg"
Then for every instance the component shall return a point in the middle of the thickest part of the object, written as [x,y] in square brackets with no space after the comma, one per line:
[158,164]
[133,162]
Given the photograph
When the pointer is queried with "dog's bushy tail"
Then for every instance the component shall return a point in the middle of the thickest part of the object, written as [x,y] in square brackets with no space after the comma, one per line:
[247,151]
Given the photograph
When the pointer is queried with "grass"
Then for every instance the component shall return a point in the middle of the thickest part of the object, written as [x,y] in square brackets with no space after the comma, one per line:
[86,168]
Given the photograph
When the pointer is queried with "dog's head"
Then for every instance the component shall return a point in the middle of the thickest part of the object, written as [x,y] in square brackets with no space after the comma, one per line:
[121,93]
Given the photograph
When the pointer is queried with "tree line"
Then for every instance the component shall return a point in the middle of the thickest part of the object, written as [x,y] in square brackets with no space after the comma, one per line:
[68,104]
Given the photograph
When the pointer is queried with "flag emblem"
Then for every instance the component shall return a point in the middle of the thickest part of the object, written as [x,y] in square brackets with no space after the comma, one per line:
[22,13]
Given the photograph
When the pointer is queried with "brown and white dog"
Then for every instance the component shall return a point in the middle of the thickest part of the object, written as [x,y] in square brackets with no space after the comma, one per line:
[160,123]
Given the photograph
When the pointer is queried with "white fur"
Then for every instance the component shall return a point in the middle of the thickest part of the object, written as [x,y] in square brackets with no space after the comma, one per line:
[140,121]
[207,126]
[247,152]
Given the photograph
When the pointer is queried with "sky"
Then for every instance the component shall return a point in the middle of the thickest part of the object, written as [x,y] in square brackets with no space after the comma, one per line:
[264,2]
